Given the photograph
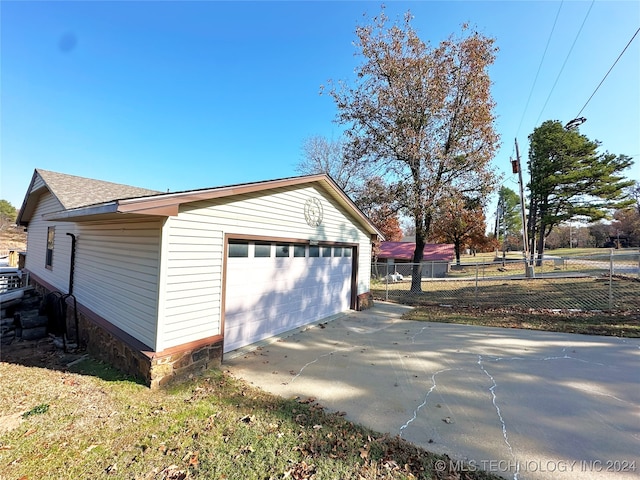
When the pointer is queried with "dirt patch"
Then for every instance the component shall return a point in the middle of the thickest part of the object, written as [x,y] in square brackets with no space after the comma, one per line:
[10,422]
[13,237]
[38,353]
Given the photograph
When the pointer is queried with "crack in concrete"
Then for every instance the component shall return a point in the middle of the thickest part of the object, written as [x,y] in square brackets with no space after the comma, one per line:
[311,363]
[568,357]
[545,359]
[426,397]
[502,422]
[413,339]
[494,385]
[482,362]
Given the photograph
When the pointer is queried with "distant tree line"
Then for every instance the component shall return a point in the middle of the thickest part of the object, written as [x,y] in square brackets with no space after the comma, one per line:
[8,214]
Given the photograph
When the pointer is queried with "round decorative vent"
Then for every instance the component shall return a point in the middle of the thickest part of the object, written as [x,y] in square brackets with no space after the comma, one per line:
[313,212]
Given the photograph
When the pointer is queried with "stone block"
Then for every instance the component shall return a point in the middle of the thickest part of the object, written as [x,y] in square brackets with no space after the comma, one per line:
[201,353]
[34,333]
[365,301]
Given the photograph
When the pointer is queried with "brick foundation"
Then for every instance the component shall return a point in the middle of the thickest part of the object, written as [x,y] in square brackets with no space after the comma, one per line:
[184,363]
[107,342]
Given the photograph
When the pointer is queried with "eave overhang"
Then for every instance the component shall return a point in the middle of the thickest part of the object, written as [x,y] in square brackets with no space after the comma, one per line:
[168,204]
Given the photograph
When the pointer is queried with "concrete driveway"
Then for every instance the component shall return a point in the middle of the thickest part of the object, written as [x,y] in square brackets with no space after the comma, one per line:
[522,404]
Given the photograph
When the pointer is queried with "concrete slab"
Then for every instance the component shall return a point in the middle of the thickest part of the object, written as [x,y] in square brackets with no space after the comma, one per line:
[519,403]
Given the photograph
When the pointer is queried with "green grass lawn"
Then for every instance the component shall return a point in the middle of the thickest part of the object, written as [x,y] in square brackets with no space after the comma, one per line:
[558,252]
[576,305]
[95,423]
[552,321]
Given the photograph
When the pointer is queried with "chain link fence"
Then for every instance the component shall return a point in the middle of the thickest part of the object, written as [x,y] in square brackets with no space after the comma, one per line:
[608,281]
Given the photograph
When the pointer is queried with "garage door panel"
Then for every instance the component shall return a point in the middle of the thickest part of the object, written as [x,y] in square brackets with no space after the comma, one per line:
[269,296]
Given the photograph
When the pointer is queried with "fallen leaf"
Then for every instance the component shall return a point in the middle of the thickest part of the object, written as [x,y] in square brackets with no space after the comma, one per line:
[173,472]
[89,448]
[247,449]
[248,419]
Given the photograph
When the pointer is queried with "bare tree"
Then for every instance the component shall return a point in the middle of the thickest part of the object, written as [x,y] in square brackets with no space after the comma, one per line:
[322,155]
[424,114]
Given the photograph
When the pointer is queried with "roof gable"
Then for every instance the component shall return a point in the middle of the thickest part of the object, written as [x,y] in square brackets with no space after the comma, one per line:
[72,192]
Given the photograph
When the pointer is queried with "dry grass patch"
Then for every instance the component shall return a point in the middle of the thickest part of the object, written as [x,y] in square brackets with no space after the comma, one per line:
[94,423]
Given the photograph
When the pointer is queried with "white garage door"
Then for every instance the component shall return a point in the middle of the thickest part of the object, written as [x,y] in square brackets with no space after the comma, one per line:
[272,288]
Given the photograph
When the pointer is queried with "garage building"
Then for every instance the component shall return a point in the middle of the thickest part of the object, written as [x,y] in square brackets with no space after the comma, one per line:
[165,283]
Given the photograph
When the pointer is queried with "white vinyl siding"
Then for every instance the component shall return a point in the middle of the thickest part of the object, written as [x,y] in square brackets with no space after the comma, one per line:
[38,183]
[281,213]
[190,308]
[57,275]
[161,280]
[192,271]
[116,269]
[116,274]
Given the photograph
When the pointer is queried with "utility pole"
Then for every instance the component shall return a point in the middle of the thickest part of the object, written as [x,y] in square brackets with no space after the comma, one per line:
[516,168]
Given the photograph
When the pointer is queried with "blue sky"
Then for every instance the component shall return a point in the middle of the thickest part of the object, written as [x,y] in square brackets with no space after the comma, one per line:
[185,95]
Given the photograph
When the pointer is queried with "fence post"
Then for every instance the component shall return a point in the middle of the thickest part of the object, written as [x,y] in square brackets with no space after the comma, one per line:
[611,279]
[476,292]
[386,279]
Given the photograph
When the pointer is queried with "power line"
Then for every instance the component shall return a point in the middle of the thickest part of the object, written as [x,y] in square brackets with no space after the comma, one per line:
[565,60]
[535,80]
[607,74]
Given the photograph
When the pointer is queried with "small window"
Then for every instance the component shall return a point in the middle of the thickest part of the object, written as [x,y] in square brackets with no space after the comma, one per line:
[238,249]
[346,252]
[326,251]
[51,231]
[337,251]
[263,250]
[282,250]
[299,250]
[314,251]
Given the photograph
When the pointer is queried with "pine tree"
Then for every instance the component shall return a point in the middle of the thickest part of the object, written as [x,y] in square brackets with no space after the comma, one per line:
[569,178]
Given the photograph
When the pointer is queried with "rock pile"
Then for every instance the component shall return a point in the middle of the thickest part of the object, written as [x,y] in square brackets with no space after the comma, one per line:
[23,321]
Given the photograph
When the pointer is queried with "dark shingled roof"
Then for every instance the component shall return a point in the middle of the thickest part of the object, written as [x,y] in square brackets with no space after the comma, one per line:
[74,192]
[84,198]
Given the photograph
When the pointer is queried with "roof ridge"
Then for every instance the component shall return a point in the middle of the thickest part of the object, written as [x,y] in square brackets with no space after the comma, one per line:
[74,191]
